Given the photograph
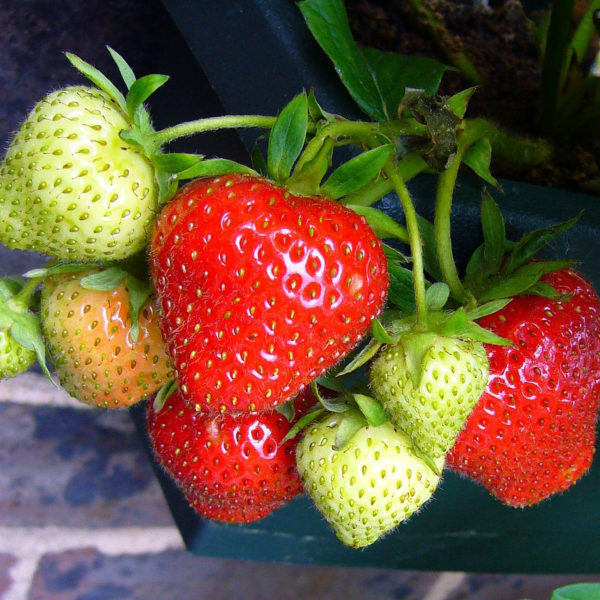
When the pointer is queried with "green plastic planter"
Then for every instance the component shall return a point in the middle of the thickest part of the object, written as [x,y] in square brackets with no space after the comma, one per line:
[257,55]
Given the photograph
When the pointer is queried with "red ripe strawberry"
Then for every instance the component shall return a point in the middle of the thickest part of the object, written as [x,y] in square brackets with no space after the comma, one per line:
[231,467]
[532,433]
[261,291]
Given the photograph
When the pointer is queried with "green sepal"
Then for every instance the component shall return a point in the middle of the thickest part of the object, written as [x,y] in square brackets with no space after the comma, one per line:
[310,169]
[11,286]
[494,232]
[380,334]
[329,382]
[176,162]
[287,409]
[362,357]
[479,157]
[60,269]
[331,405]
[350,424]
[139,291]
[314,413]
[287,138]
[415,346]
[436,296]
[383,225]
[430,258]
[140,90]
[98,79]
[357,172]
[124,69]
[214,167]
[259,163]
[163,395]
[531,243]
[315,110]
[459,102]
[393,255]
[371,409]
[489,308]
[26,330]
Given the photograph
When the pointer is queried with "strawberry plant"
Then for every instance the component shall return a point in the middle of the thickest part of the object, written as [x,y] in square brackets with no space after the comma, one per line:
[285,333]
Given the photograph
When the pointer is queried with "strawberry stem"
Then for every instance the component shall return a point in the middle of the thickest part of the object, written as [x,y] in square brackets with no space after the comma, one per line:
[414,235]
[164,136]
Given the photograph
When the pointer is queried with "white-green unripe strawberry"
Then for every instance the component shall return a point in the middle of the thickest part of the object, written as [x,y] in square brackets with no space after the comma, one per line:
[429,383]
[70,187]
[14,358]
[368,487]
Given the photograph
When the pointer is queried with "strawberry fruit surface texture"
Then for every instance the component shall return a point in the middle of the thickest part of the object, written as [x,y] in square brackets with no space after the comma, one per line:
[261,291]
[233,468]
[532,433]
[88,333]
[70,187]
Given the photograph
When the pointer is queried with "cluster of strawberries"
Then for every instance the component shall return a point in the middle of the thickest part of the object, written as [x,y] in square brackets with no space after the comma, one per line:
[236,307]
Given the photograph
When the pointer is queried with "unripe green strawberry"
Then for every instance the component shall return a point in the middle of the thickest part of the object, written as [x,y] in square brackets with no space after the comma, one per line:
[70,187]
[364,490]
[429,384]
[14,358]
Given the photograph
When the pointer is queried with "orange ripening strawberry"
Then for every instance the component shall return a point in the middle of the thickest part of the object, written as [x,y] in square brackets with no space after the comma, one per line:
[532,433]
[89,336]
[232,467]
[261,291]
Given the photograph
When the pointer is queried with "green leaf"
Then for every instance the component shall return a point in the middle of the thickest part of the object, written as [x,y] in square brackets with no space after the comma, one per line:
[394,255]
[258,160]
[459,102]
[494,233]
[437,295]
[126,72]
[479,157]
[11,286]
[401,290]
[371,410]
[163,395]
[328,23]
[315,111]
[303,421]
[287,138]
[331,383]
[383,225]
[357,172]
[577,591]
[531,243]
[351,423]
[214,167]
[430,259]
[142,89]
[98,79]
[175,162]
[516,283]
[585,32]
[394,73]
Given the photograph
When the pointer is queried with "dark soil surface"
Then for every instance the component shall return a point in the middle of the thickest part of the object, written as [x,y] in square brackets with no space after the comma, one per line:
[498,38]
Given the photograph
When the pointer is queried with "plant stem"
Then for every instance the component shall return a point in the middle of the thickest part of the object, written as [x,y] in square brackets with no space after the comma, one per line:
[442,220]
[188,128]
[553,69]
[511,148]
[412,225]
[21,300]
[437,30]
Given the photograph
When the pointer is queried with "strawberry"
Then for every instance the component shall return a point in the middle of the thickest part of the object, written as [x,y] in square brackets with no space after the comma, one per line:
[532,433]
[91,342]
[261,291]
[70,187]
[14,358]
[365,489]
[234,468]
[432,404]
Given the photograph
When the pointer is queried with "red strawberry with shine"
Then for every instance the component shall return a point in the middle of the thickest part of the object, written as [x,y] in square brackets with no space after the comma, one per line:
[261,291]
[231,467]
[532,433]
